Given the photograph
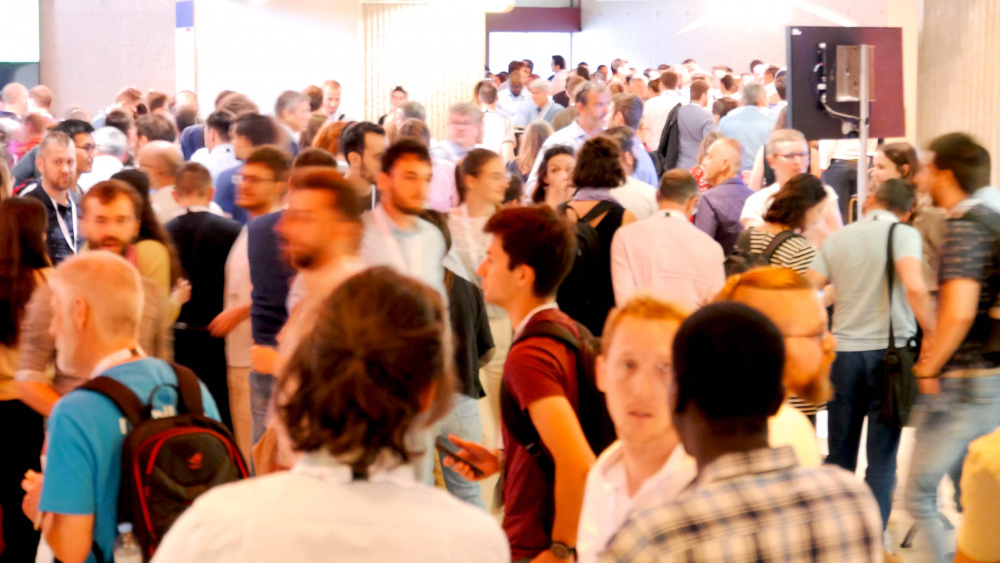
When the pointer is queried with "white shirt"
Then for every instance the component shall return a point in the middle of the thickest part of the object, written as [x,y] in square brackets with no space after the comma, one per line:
[656,111]
[316,513]
[218,160]
[166,207]
[559,81]
[238,289]
[789,427]
[757,205]
[607,504]
[105,166]
[497,130]
[636,196]
[668,257]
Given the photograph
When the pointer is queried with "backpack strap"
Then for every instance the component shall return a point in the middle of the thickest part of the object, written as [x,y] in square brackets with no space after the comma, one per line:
[601,208]
[778,240]
[189,391]
[127,402]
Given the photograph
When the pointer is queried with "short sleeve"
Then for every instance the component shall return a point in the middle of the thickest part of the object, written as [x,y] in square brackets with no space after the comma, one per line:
[908,243]
[532,371]
[967,251]
[819,261]
[795,254]
[72,464]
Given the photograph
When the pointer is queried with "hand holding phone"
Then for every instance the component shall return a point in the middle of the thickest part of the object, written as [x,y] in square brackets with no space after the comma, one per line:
[472,461]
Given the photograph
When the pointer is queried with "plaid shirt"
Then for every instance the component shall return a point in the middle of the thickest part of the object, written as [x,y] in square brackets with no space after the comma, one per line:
[758,506]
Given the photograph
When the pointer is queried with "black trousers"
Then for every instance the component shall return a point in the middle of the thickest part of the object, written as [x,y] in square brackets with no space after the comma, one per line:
[205,355]
[22,445]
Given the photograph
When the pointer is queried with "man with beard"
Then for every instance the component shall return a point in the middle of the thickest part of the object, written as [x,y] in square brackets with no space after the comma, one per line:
[394,235]
[97,299]
[110,221]
[57,166]
[363,144]
[794,305]
[203,241]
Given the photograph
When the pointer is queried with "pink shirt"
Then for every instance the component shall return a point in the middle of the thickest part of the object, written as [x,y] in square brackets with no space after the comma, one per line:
[667,257]
[442,195]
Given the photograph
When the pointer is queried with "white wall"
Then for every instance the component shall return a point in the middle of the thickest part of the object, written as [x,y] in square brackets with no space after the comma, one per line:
[93,48]
[649,32]
[281,45]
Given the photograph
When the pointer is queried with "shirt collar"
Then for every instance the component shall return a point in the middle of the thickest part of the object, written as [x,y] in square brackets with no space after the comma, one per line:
[532,313]
[393,227]
[325,467]
[671,468]
[881,215]
[754,462]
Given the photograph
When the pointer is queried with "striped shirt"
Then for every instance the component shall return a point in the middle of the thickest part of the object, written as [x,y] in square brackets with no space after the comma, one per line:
[795,253]
[754,506]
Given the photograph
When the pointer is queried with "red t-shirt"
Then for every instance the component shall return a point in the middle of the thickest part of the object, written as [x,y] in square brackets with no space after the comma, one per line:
[535,369]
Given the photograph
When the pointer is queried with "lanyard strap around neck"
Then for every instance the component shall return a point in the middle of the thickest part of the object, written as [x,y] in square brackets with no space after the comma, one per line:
[70,240]
[395,249]
[890,274]
[118,357]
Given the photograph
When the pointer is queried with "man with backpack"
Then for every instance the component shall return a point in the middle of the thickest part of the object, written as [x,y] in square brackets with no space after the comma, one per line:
[97,299]
[551,420]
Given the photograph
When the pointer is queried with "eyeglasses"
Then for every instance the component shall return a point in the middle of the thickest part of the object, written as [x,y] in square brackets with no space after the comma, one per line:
[794,155]
[87,148]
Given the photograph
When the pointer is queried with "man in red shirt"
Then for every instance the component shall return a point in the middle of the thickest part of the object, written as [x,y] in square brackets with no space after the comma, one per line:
[531,253]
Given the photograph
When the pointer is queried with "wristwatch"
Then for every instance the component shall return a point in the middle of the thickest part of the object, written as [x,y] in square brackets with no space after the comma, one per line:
[562,551]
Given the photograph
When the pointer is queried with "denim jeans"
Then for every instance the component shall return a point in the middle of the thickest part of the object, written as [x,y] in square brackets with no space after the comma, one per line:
[463,421]
[261,387]
[857,394]
[966,409]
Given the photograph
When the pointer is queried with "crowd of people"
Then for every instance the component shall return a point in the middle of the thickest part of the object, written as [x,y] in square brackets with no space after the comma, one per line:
[604,309]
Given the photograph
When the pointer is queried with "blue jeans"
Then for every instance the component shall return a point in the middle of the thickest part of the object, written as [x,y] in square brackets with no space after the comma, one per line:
[857,394]
[463,421]
[261,387]
[966,409]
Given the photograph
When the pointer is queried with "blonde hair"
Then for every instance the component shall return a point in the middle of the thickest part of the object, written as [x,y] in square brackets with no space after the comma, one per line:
[532,140]
[109,285]
[643,307]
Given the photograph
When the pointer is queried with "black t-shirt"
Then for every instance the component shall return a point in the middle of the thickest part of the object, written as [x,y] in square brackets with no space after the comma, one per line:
[203,241]
[473,338]
[969,252]
[59,248]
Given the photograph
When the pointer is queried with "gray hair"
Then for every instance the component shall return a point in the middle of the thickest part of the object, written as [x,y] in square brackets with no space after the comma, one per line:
[288,100]
[111,141]
[413,110]
[754,94]
[468,110]
[784,136]
[540,84]
[587,88]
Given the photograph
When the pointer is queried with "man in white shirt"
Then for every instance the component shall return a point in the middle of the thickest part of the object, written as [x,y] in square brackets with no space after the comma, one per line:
[516,95]
[647,466]
[262,183]
[788,154]
[112,152]
[464,131]
[592,105]
[658,108]
[542,108]
[560,76]
[665,255]
[498,129]
[218,154]
[161,160]
[634,195]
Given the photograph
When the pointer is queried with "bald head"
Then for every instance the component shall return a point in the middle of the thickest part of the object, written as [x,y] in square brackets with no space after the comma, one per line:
[160,160]
[15,98]
[722,161]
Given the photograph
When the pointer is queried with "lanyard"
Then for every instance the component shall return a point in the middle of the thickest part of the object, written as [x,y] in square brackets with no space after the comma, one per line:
[674,213]
[70,240]
[118,357]
[395,248]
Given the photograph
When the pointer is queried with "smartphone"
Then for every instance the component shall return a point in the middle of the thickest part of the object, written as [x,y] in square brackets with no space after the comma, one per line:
[445,446]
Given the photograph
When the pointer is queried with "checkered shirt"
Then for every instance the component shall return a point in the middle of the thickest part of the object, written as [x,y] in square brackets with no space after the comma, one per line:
[758,506]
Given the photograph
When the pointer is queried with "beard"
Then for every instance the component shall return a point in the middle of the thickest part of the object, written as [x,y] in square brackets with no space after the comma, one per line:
[111,244]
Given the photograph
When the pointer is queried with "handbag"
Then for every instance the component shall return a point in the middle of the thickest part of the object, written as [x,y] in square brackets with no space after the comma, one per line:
[899,387]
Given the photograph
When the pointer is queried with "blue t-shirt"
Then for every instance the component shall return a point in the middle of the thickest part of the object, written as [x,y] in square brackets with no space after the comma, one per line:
[86,433]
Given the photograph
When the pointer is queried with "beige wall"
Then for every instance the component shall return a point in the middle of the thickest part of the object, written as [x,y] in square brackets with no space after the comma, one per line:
[93,48]
[959,72]
[908,14]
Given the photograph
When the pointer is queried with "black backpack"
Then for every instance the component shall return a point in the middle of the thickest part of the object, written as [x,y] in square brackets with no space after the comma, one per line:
[167,462]
[743,258]
[581,294]
[592,409]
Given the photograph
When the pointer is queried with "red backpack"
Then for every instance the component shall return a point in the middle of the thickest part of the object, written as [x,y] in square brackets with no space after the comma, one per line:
[167,462]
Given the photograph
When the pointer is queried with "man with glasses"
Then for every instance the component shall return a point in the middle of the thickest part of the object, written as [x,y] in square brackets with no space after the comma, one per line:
[260,186]
[464,131]
[788,154]
[794,305]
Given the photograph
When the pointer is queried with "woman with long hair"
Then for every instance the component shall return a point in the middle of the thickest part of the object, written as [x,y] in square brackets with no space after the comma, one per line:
[532,139]
[359,396]
[555,176]
[24,267]
[796,206]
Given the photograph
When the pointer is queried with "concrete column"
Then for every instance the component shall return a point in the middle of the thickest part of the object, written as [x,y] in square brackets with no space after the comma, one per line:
[436,51]
[959,72]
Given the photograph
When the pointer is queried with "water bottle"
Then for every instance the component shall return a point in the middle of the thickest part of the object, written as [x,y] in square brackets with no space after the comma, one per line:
[126,548]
